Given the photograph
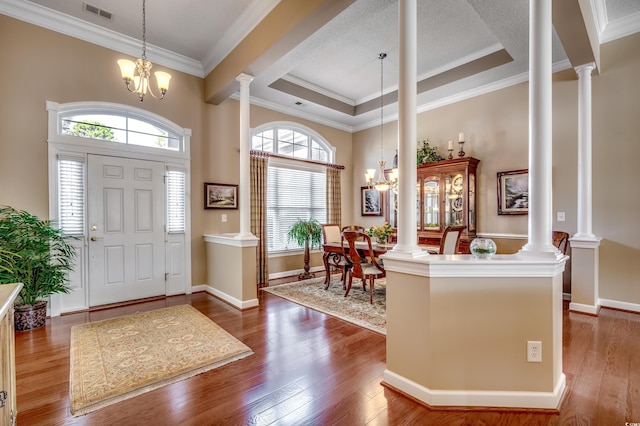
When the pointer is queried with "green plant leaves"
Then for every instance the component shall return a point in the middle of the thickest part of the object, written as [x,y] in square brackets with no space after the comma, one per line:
[34,252]
[426,153]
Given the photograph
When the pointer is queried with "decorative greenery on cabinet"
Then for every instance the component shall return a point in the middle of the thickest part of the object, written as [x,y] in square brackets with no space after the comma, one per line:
[427,154]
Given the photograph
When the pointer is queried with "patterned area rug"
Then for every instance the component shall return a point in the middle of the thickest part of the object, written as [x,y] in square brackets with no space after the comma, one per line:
[119,358]
[354,308]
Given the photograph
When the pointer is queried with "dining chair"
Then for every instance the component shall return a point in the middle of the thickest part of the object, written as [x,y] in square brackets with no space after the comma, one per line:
[331,234]
[561,241]
[450,240]
[361,260]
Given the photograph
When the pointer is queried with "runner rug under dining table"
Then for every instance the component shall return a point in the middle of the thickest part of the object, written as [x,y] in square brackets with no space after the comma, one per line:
[119,358]
[354,308]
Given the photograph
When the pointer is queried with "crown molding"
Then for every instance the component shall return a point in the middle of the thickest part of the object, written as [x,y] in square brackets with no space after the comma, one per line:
[296,113]
[64,24]
[621,28]
[246,22]
[318,89]
[600,16]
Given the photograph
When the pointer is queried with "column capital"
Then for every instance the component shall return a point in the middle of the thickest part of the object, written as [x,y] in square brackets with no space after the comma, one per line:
[244,79]
[585,68]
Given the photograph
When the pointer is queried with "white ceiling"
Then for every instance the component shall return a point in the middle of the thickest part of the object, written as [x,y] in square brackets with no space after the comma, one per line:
[340,60]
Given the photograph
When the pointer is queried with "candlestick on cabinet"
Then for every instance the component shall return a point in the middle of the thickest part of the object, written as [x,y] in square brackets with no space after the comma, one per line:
[461,143]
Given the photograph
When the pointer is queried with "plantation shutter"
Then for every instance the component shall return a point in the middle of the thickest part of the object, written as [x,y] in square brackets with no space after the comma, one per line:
[71,190]
[176,201]
[293,193]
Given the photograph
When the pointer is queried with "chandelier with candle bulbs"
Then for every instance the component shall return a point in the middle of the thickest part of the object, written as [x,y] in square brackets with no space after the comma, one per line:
[137,75]
[383,183]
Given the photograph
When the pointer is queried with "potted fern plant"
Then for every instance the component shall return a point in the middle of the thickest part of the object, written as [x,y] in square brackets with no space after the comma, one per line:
[37,254]
[307,233]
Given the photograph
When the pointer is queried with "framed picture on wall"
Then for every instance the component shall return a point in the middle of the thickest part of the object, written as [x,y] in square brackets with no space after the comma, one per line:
[513,192]
[220,196]
[372,202]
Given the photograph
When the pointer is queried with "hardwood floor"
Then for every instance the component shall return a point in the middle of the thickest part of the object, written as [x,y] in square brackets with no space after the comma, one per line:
[309,368]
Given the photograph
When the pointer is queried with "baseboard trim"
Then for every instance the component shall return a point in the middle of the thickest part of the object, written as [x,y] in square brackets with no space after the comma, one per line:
[623,306]
[294,272]
[465,398]
[236,303]
[584,309]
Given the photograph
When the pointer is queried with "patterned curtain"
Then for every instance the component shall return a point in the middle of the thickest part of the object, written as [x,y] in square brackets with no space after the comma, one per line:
[259,168]
[334,206]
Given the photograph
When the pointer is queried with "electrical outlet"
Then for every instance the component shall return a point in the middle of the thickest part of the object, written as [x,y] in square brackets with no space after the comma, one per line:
[534,351]
[560,217]
[224,217]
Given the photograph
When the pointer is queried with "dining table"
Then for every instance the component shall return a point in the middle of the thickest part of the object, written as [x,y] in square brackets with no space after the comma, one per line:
[334,251]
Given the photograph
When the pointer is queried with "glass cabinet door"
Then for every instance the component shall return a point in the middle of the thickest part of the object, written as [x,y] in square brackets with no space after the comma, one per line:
[472,202]
[393,207]
[454,201]
[431,211]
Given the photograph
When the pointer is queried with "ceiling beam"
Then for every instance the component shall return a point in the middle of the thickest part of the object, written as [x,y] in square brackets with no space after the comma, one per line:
[575,24]
[286,26]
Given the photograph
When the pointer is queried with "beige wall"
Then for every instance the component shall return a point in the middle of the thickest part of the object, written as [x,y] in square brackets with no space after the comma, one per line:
[54,67]
[461,331]
[496,129]
[225,275]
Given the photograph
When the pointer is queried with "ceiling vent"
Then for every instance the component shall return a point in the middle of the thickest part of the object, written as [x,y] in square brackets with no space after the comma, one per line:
[97,11]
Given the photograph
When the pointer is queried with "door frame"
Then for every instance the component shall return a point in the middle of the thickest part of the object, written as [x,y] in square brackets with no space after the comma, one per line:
[79,147]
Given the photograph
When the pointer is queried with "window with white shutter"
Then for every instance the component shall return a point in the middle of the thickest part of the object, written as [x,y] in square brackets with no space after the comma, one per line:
[295,189]
[71,190]
[293,194]
[176,201]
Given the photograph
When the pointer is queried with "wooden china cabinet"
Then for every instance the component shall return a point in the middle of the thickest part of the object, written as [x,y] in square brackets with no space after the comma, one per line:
[446,195]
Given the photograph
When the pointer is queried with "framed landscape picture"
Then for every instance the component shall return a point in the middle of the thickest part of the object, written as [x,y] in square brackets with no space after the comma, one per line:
[220,196]
[371,202]
[513,192]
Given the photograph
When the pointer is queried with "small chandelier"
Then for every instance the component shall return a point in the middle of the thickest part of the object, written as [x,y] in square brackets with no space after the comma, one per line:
[136,75]
[383,184]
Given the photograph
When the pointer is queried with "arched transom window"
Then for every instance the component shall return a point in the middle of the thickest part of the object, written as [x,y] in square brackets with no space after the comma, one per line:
[121,127]
[293,142]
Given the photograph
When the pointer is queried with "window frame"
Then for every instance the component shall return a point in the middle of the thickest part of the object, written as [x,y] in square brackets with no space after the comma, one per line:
[177,245]
[311,134]
[283,160]
[106,147]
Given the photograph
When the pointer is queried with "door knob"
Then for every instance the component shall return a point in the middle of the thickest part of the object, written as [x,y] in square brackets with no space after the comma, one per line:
[96,238]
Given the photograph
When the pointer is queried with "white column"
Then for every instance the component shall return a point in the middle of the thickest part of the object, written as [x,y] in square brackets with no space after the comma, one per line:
[540,131]
[245,172]
[585,246]
[407,110]
[584,151]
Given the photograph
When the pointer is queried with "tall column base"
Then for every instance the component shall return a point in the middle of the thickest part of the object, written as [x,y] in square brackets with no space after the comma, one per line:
[585,262]
[458,329]
[231,269]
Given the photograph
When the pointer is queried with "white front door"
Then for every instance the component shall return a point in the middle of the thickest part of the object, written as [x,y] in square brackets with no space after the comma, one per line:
[125,215]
